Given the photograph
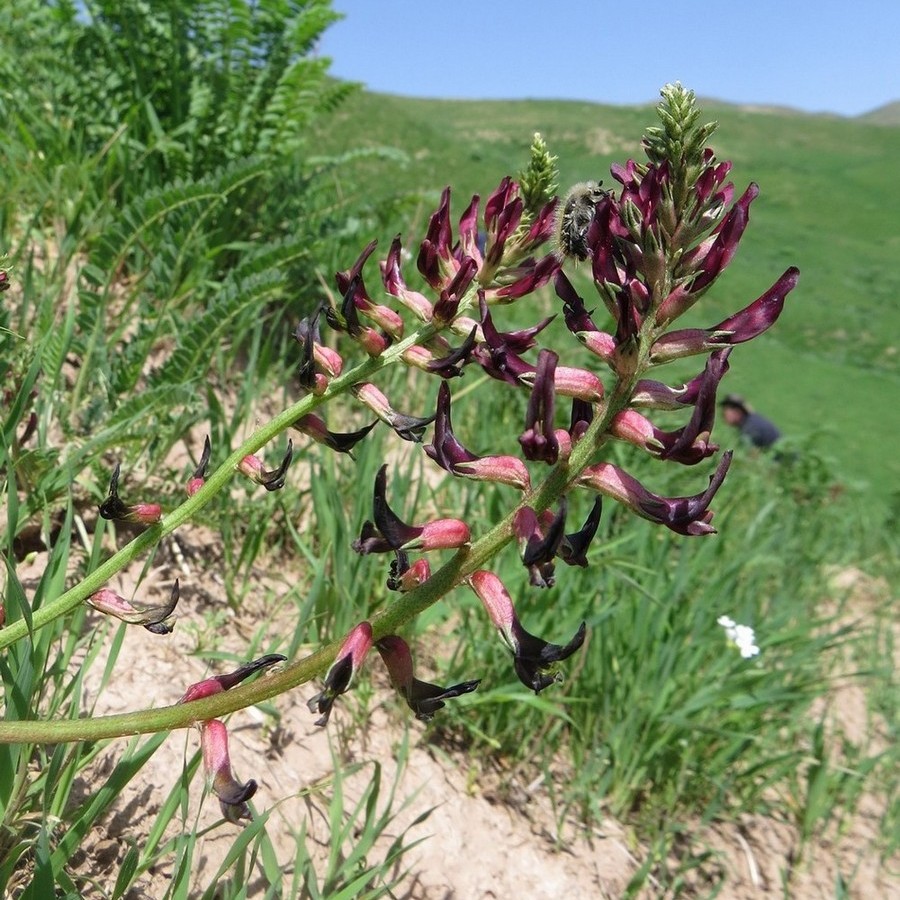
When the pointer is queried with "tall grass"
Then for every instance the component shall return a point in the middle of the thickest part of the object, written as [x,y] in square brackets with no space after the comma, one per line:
[158,277]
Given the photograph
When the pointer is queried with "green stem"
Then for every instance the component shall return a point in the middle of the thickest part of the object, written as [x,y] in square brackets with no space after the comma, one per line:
[402,611]
[92,582]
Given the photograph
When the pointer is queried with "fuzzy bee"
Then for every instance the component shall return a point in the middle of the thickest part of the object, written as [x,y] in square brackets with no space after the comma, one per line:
[574,218]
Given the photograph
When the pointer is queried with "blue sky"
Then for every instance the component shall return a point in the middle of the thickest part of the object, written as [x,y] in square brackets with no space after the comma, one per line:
[816,56]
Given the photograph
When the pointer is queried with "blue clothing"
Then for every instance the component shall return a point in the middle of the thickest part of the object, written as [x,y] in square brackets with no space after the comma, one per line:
[759,431]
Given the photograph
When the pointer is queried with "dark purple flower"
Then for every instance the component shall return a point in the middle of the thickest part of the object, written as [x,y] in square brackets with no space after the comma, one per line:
[217,683]
[577,317]
[233,795]
[504,194]
[435,255]
[502,228]
[534,658]
[446,307]
[342,442]
[452,456]
[451,365]
[390,533]
[394,284]
[137,514]
[306,334]
[271,480]
[423,699]
[684,515]
[198,479]
[573,549]
[691,443]
[468,233]
[527,278]
[539,438]
[609,264]
[409,428]
[353,289]
[743,326]
[343,670]
[539,542]
[494,355]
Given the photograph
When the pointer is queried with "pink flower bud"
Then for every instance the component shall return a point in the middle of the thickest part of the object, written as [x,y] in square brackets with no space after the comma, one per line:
[373,342]
[599,343]
[571,382]
[384,318]
[423,699]
[233,795]
[153,618]
[343,670]
[498,469]
[631,426]
[418,573]
[328,360]
[372,396]
[441,534]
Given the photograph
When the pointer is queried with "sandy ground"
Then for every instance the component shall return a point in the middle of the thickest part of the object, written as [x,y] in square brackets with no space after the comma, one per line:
[482,834]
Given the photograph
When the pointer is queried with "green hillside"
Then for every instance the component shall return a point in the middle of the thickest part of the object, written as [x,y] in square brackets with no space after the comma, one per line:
[829,204]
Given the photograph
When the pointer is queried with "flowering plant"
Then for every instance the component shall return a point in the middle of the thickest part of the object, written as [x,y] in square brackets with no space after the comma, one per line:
[653,248]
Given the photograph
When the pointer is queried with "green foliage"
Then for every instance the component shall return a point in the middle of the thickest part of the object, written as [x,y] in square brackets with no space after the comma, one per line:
[159,90]
[167,144]
[826,205]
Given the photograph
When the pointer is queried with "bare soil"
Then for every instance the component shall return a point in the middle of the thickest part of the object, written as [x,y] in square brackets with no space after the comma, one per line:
[481,833]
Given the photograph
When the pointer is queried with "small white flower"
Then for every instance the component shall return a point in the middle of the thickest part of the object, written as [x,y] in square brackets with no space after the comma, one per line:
[741,636]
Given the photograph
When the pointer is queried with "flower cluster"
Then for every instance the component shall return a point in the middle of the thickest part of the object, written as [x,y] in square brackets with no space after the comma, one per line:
[653,248]
[741,636]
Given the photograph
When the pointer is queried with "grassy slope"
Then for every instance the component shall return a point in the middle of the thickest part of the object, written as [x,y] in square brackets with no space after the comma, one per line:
[828,205]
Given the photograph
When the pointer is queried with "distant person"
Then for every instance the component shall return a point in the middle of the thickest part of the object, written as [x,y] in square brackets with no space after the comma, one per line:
[754,428]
